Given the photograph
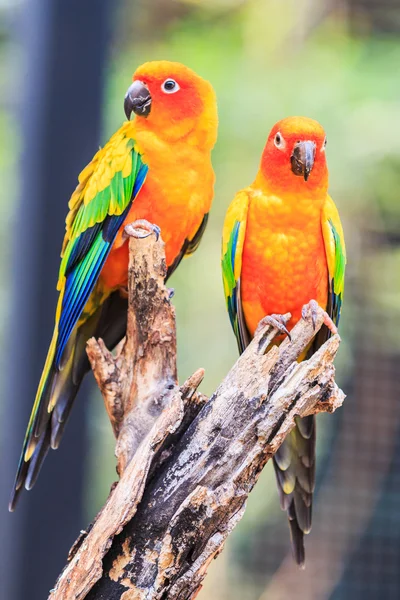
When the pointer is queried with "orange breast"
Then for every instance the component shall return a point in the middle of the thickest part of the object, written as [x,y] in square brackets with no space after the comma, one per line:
[284,262]
[176,195]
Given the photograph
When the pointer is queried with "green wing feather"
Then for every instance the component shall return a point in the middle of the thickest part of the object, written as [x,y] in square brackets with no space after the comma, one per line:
[91,236]
[336,258]
[98,206]
[233,237]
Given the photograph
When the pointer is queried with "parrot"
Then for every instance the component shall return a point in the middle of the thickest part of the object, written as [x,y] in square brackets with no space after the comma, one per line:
[282,248]
[156,167]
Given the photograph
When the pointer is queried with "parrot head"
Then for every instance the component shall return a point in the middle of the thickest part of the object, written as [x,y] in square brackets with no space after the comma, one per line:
[172,100]
[294,156]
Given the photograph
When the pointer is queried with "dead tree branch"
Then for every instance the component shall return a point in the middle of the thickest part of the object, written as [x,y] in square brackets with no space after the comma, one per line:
[187,464]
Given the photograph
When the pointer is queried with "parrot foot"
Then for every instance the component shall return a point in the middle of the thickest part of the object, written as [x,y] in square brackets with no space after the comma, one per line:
[141,229]
[314,307]
[278,322]
[171,293]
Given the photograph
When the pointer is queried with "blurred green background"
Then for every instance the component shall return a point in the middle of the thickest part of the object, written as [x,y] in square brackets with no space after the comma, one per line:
[337,62]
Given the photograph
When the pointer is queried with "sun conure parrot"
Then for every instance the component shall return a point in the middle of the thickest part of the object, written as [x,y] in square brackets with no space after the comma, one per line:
[283,246]
[156,167]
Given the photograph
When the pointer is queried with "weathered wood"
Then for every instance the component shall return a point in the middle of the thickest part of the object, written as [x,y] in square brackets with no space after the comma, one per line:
[137,381]
[194,461]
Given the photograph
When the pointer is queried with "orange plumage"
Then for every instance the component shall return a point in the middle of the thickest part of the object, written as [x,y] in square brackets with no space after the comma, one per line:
[175,142]
[286,211]
[156,167]
[282,247]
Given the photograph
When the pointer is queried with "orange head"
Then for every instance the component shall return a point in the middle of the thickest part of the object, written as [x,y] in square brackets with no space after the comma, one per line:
[172,101]
[294,158]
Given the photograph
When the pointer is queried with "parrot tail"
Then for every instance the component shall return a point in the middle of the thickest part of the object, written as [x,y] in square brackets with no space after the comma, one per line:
[294,464]
[56,393]
[58,388]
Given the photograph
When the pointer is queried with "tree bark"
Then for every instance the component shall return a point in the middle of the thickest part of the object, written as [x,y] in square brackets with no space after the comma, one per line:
[187,463]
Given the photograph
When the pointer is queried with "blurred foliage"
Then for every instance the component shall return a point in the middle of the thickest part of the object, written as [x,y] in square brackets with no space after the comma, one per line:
[266,59]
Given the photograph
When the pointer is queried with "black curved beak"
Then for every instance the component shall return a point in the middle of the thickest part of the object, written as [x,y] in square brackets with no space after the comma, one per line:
[137,100]
[302,159]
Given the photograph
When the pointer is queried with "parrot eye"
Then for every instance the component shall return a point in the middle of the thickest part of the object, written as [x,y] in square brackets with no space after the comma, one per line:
[170,86]
[279,141]
[324,144]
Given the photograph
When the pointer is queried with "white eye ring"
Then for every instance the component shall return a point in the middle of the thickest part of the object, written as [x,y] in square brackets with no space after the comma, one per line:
[170,86]
[279,141]
[324,145]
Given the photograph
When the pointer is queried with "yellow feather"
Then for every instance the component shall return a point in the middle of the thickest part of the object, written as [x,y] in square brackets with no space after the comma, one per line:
[104,181]
[118,162]
[109,172]
[88,170]
[90,191]
[49,359]
[76,196]
[127,168]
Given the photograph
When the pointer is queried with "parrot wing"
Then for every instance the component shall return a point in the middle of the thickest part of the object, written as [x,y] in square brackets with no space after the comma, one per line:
[98,207]
[233,237]
[336,258]
[190,245]
[295,460]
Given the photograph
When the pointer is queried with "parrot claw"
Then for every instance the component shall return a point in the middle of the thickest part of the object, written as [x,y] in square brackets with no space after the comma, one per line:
[141,229]
[314,308]
[278,322]
[171,293]
[157,232]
